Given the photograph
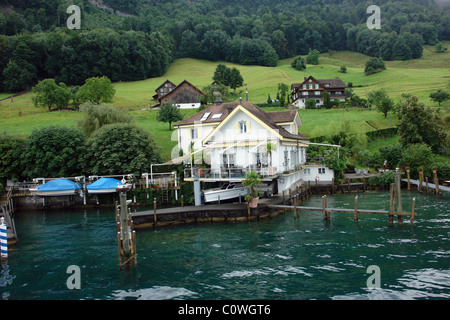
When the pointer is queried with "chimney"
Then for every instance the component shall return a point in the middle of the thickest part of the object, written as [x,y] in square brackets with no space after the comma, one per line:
[246,95]
[218,99]
[305,79]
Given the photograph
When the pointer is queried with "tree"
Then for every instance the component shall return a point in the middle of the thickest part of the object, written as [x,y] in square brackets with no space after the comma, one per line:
[343,69]
[439,48]
[298,63]
[235,79]
[97,90]
[310,103]
[417,155]
[11,149]
[49,94]
[120,148]
[269,99]
[401,50]
[53,152]
[283,89]
[418,124]
[381,100]
[439,96]
[374,65]
[326,99]
[96,116]
[313,57]
[169,112]
[219,73]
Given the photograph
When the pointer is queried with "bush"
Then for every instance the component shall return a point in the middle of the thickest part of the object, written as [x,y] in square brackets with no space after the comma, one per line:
[374,65]
[417,155]
[298,63]
[382,180]
[443,170]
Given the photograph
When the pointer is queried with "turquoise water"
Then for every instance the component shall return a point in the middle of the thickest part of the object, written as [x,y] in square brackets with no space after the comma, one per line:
[278,258]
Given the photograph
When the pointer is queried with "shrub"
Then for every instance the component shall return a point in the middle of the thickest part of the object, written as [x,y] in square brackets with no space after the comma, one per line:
[382,180]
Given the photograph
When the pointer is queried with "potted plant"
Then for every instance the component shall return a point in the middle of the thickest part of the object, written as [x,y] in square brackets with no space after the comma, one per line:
[251,180]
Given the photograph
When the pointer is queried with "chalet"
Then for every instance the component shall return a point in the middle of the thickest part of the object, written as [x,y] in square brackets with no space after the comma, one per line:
[237,137]
[185,95]
[314,88]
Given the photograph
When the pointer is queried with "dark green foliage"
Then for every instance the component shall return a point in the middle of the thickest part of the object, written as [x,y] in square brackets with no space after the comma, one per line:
[374,65]
[120,149]
[96,116]
[53,152]
[418,124]
[11,149]
[382,180]
[169,113]
[48,94]
[313,57]
[439,96]
[298,63]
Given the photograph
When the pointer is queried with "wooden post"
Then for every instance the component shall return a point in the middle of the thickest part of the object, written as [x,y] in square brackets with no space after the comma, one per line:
[324,206]
[332,185]
[436,182]
[295,208]
[356,209]
[412,210]
[399,197]
[420,180]
[182,200]
[124,224]
[426,181]
[391,205]
[248,210]
[409,178]
[154,211]
[284,202]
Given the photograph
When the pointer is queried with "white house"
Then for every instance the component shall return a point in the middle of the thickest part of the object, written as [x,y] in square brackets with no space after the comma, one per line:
[236,137]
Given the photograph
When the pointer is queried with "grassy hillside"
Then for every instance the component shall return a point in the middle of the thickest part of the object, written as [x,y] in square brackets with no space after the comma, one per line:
[419,77]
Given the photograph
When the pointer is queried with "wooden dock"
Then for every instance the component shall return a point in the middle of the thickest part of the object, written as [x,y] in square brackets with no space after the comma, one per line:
[7,211]
[429,185]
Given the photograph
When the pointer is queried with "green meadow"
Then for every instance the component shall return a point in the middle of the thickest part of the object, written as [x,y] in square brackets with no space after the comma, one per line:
[419,77]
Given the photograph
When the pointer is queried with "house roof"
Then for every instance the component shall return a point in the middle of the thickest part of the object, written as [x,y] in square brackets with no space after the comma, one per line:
[332,83]
[268,118]
[167,81]
[185,82]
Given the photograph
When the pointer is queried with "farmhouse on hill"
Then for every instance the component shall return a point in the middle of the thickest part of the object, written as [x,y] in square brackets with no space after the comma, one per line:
[185,95]
[313,88]
[236,137]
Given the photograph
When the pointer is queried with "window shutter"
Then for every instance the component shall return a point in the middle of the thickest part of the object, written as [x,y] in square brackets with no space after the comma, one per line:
[236,127]
[248,126]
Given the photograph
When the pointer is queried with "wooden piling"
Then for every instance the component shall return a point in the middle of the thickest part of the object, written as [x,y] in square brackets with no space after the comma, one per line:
[420,180]
[426,182]
[284,201]
[391,205]
[412,211]
[295,208]
[356,209]
[399,197]
[324,206]
[154,210]
[436,182]
[182,201]
[409,178]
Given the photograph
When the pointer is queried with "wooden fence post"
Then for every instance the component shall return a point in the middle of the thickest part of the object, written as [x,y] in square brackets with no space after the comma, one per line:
[391,205]
[154,211]
[356,209]
[412,210]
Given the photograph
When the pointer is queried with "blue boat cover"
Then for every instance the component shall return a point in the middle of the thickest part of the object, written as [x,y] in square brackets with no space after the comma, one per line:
[59,185]
[104,183]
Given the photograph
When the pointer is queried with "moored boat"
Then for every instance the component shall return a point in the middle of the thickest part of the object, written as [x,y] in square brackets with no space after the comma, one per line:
[57,187]
[226,192]
[104,185]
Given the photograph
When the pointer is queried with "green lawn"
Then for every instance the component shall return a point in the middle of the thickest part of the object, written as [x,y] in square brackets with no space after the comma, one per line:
[419,77]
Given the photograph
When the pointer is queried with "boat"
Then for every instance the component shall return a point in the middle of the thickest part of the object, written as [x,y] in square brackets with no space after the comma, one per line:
[57,187]
[225,192]
[104,185]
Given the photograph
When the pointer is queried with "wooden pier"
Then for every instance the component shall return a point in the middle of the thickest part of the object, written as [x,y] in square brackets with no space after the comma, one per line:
[7,211]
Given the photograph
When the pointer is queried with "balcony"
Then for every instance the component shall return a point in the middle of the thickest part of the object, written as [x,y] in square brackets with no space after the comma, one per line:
[228,172]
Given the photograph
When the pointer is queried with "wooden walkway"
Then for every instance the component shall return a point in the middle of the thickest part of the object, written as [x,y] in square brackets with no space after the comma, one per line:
[6,211]
[424,185]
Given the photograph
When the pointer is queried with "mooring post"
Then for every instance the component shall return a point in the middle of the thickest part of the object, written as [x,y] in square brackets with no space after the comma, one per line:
[3,239]
[426,183]
[436,182]
[412,211]
[356,209]
[408,177]
[399,197]
[391,205]
[284,202]
[154,211]
[295,208]
[420,180]
[124,224]
[182,200]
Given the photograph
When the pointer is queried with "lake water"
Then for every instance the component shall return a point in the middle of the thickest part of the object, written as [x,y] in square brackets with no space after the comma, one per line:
[278,258]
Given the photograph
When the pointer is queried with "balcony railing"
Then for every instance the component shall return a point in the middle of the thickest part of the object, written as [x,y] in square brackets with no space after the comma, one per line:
[228,172]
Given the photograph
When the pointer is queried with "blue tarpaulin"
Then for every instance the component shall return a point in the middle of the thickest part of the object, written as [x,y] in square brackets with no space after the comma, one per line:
[59,185]
[104,183]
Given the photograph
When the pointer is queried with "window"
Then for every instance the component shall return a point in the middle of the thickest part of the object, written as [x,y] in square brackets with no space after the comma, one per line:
[305,93]
[194,133]
[216,116]
[308,171]
[317,86]
[242,127]
[310,86]
[304,86]
[317,93]
[321,170]
[205,116]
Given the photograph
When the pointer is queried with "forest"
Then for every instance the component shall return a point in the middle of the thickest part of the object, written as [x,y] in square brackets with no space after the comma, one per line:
[137,39]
